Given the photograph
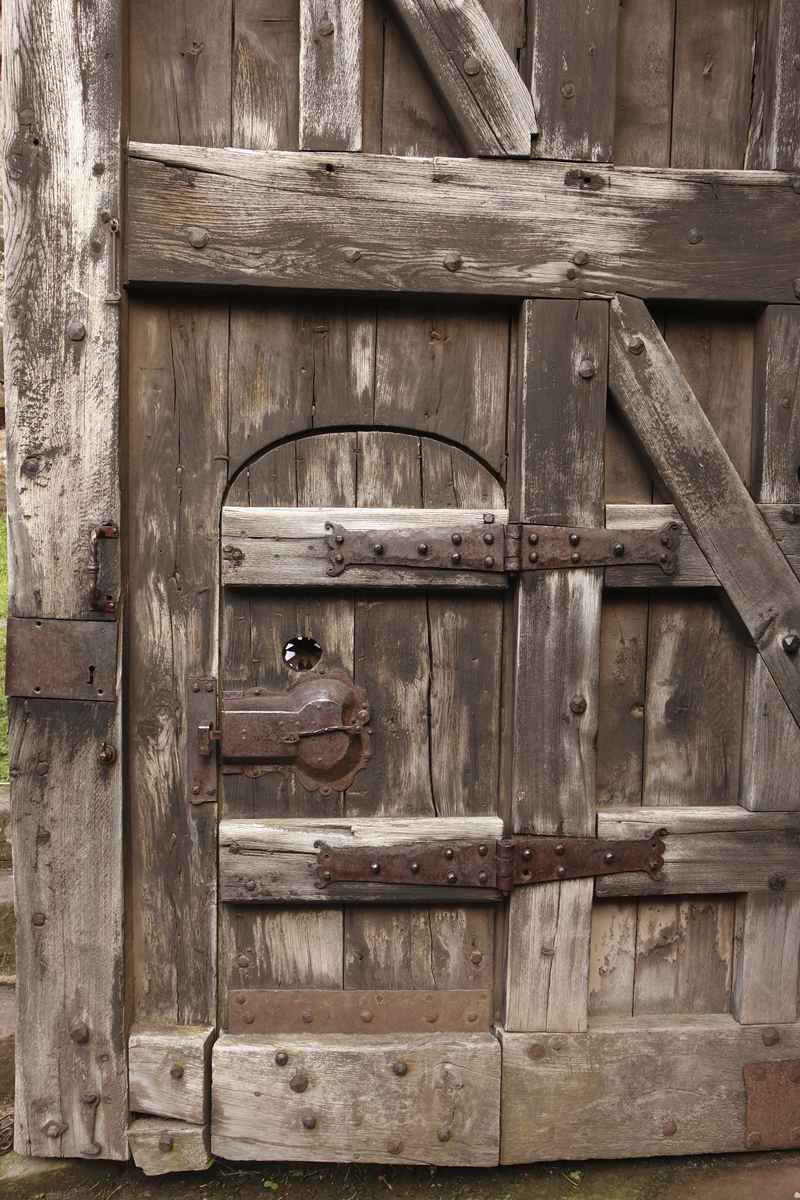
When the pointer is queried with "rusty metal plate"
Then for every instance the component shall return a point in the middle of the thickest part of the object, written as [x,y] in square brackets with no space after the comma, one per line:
[320,1012]
[552,547]
[539,860]
[773,1104]
[461,546]
[201,759]
[61,660]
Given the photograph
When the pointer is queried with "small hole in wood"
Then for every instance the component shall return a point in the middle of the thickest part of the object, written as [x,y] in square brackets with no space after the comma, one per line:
[302,653]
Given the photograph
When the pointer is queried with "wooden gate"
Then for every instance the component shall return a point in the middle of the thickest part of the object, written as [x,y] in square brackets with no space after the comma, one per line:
[341,326]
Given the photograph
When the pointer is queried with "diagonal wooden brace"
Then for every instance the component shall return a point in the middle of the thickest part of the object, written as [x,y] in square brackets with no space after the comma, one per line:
[666,419]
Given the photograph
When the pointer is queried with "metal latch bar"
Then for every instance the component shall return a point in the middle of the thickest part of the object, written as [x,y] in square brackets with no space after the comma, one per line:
[502,865]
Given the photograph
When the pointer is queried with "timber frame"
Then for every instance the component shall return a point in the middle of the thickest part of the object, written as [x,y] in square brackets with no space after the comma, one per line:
[563,228]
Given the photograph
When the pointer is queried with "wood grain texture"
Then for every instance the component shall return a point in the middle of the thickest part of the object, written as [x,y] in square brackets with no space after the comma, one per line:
[781,97]
[480,88]
[271,947]
[643,117]
[331,58]
[573,49]
[190,1149]
[608,1092]
[766,960]
[612,958]
[265,71]
[620,735]
[357,1101]
[153,1054]
[176,472]
[413,121]
[66,833]
[404,216]
[684,956]
[658,403]
[437,948]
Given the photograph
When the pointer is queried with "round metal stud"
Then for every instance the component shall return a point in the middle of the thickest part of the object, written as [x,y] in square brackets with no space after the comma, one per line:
[422,548]
[309,1122]
[394,1146]
[378,548]
[560,848]
[488,518]
[574,539]
[587,369]
[636,344]
[527,854]
[366,1016]
[533,539]
[298,1083]
[488,538]
[455,559]
[240,999]
[449,853]
[694,237]
[307,1017]
[443,1134]
[401,1068]
[669,1128]
[431,1017]
[561,872]
[38,919]
[472,65]
[455,538]
[533,556]
[248,1018]
[250,886]
[452,877]
[176,1071]
[619,549]
[791,643]
[76,331]
[483,850]
[608,858]
[453,261]
[482,877]
[375,868]
[79,1033]
[536,1051]
[281,1058]
[415,868]
[488,562]
[198,237]
[770,1036]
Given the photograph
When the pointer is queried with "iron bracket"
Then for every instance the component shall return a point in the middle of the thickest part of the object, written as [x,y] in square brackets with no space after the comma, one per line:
[97,603]
[506,864]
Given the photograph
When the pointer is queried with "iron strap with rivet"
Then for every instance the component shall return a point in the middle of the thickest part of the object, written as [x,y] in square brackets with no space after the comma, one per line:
[469,546]
[502,865]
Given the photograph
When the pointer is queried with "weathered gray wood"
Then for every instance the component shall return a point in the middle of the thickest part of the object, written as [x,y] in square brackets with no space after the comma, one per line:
[416,947]
[620,735]
[692,568]
[154,1056]
[404,216]
[617,1091]
[479,86]
[773,134]
[67,845]
[330,74]
[573,50]
[658,403]
[766,962]
[150,1139]
[280,948]
[413,121]
[684,956]
[265,68]
[729,818]
[612,958]
[643,115]
[445,1110]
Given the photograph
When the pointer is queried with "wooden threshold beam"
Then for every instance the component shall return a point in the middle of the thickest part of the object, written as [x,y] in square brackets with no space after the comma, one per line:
[304,222]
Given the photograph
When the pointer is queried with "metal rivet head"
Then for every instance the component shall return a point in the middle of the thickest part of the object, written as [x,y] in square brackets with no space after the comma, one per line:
[770,1036]
[488,539]
[309,1122]
[561,872]
[791,643]
[488,518]
[777,882]
[455,538]
[472,65]
[574,539]
[240,998]
[401,1068]
[568,90]
[326,875]
[636,344]
[694,237]
[576,558]
[281,1058]
[443,1134]
[53,1129]
[619,549]
[339,558]
[366,1016]
[79,1033]
[248,1018]
[415,868]
[453,261]
[449,853]
[452,877]
[378,548]
[587,369]
[352,255]
[195,790]
[176,1071]
[431,1017]
[250,885]
[533,556]
[307,1017]
[42,768]
[375,868]
[608,858]
[30,465]
[536,1051]
[482,877]
[533,539]
[166,1143]
[476,957]
[785,402]
[298,1083]
[455,559]
[578,704]
[243,961]
[339,539]
[655,865]
[560,848]
[198,237]
[209,687]
[422,548]
[580,258]
[394,1146]
[669,1128]
[76,331]
[488,562]
[527,854]
[483,850]
[210,791]
[38,919]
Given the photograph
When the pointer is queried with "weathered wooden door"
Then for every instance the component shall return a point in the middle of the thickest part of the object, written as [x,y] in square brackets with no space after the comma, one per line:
[356,279]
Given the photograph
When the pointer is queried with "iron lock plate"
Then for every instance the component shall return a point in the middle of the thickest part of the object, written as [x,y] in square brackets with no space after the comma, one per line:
[502,865]
[61,660]
[773,1104]
[319,1012]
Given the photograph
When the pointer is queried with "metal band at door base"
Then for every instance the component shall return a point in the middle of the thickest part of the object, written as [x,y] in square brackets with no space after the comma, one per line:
[319,1012]
[773,1104]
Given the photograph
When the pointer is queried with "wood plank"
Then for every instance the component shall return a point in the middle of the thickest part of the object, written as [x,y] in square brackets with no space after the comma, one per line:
[66,833]
[573,49]
[150,1139]
[266,79]
[643,118]
[412,119]
[733,818]
[766,962]
[684,956]
[404,216]
[154,1057]
[479,86]
[658,403]
[781,100]
[444,1110]
[620,735]
[436,948]
[612,958]
[330,74]
[266,947]
[618,1090]
[701,863]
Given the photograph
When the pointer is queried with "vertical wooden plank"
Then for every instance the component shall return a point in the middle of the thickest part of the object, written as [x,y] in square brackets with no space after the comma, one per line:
[776,99]
[177,442]
[713,73]
[418,947]
[330,74]
[765,966]
[558,644]
[620,737]
[684,955]
[375,17]
[611,963]
[180,72]
[414,122]
[266,80]
[62,160]
[573,52]
[643,119]
[269,947]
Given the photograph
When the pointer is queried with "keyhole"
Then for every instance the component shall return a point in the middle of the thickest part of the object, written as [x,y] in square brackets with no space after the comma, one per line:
[90,680]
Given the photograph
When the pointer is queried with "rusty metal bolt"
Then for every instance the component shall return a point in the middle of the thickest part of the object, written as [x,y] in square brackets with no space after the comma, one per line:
[106,754]
[452,877]
[375,868]
[195,687]
[770,1036]
[636,344]
[574,539]
[38,919]
[326,875]
[176,1071]
[608,858]
[488,518]
[422,548]
[533,539]
[754,1141]
[533,556]
[576,558]
[210,791]
[42,768]
[449,853]
[536,1051]
[209,687]
[560,848]
[248,1018]
[777,882]
[587,369]
[281,1058]
[309,1122]
[568,90]
[243,961]
[561,872]
[483,850]
[76,331]
[791,643]
[580,258]
[655,865]
[476,957]
[30,465]
[378,548]
[53,1130]
[694,237]
[415,868]
[455,559]
[488,562]
[394,1146]
[455,538]
[166,1143]
[443,1134]
[578,704]
[250,885]
[527,854]
[198,237]
[195,789]
[472,1016]
[298,1083]
[79,1033]
[401,1068]
[339,558]
[669,1128]
[453,261]
[366,1016]
[472,65]
[619,549]
[240,999]
[431,1017]
[482,877]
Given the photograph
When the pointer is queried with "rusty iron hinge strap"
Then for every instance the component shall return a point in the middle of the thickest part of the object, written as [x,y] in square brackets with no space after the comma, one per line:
[468,546]
[502,865]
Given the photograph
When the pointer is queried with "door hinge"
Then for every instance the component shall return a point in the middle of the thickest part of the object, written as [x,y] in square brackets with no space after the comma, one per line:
[470,546]
[502,865]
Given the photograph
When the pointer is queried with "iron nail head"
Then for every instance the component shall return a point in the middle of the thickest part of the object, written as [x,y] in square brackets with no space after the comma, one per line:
[791,643]
[394,1146]
[770,1036]
[298,1083]
[198,237]
[453,261]
[568,90]
[443,1134]
[587,369]
[79,1033]
[669,1128]
[309,1122]
[166,1143]
[472,65]
[401,1068]
[636,344]
[777,882]
[694,237]
[281,1058]
[176,1070]
[76,331]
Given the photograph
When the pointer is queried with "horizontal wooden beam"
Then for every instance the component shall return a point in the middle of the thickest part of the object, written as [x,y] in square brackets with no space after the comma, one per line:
[373,223]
